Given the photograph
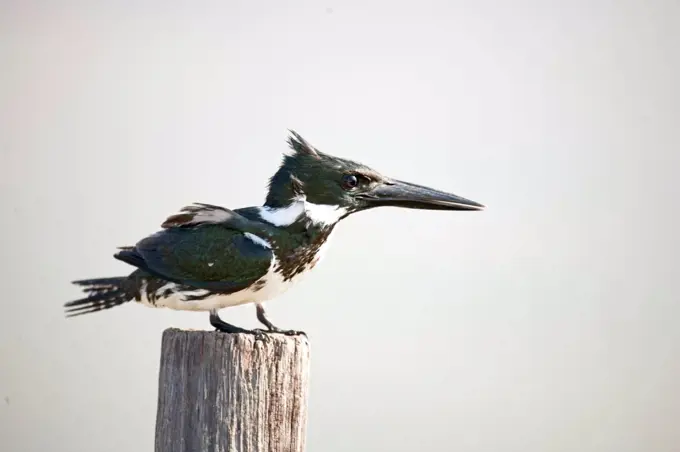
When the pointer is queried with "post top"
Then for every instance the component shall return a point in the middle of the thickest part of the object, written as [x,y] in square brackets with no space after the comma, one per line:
[297,337]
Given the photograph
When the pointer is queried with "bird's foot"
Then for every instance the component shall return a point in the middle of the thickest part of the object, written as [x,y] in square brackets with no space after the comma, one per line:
[276,330]
[294,333]
[259,334]
[233,330]
[258,331]
[271,328]
[224,327]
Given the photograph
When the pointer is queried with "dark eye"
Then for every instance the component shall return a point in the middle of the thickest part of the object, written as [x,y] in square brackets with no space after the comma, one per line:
[349,181]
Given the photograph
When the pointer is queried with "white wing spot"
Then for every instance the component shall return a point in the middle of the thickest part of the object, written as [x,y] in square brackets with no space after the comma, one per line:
[258,240]
[210,264]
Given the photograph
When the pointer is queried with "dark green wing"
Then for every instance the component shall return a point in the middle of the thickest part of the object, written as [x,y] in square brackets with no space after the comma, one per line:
[214,255]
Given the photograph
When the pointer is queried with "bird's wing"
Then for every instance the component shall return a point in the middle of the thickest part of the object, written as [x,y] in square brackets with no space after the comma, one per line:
[199,214]
[213,257]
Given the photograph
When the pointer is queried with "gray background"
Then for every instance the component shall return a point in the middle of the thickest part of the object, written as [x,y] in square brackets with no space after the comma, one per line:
[548,322]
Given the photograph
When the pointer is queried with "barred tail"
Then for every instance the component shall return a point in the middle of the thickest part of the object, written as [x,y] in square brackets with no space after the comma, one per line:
[103,293]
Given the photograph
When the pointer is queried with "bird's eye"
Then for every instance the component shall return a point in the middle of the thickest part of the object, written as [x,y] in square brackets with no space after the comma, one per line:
[349,181]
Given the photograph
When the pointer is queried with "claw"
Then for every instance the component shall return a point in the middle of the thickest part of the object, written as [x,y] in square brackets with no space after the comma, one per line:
[261,335]
[292,333]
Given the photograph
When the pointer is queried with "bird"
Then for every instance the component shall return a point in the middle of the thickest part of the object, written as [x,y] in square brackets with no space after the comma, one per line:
[207,257]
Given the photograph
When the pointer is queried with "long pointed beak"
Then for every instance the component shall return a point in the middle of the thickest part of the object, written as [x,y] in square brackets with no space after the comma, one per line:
[404,194]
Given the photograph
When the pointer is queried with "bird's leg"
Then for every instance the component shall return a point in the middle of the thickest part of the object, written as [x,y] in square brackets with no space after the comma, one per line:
[221,325]
[262,317]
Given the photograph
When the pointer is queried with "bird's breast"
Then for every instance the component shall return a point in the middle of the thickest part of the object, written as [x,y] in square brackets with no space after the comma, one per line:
[292,264]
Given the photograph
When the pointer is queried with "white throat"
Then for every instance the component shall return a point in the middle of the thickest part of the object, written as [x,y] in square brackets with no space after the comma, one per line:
[319,214]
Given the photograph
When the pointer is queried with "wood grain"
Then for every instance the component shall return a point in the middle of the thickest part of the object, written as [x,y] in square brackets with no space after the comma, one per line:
[232,392]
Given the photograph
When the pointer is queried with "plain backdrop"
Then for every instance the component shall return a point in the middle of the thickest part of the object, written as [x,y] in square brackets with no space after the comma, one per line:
[548,322]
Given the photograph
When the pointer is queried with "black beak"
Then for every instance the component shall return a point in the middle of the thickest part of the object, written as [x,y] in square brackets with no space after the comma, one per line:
[403,194]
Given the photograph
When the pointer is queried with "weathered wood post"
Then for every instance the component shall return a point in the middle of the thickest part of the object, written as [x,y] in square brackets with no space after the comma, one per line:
[232,392]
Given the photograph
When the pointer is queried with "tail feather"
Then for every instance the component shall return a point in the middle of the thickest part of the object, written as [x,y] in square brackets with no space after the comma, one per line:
[103,293]
[100,282]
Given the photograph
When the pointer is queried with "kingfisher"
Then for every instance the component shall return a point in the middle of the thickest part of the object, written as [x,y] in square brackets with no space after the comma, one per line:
[206,257]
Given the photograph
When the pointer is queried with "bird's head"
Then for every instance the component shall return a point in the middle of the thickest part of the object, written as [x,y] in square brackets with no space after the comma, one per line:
[337,187]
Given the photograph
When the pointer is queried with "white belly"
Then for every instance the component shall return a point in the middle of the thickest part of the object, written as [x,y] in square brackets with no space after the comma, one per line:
[266,288]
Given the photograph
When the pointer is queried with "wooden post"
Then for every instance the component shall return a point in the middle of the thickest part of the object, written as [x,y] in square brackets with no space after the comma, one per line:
[232,392]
